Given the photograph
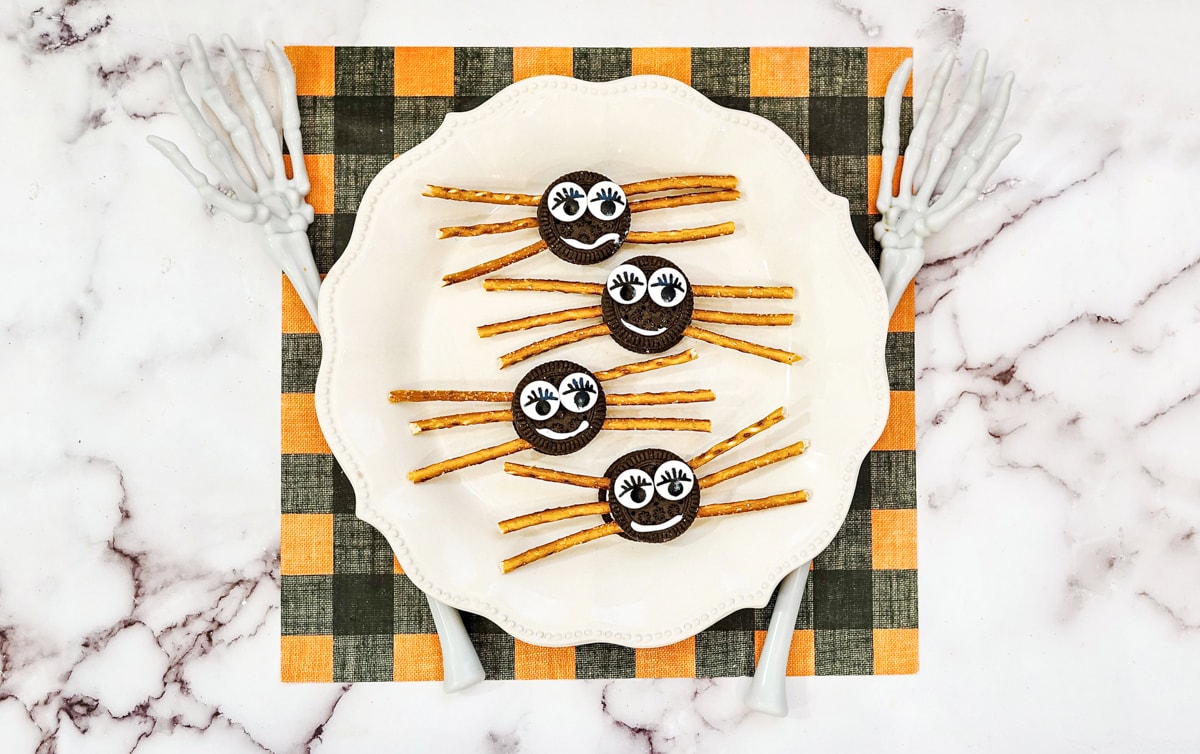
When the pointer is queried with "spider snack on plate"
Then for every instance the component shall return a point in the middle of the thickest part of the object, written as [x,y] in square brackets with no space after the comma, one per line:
[583,217]
[557,408]
[647,306]
[650,495]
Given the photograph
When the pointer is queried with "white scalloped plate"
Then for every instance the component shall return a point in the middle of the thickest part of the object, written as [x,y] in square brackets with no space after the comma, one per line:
[387,323]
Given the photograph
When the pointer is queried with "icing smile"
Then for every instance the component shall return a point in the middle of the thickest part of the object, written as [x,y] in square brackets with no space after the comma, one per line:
[644,528]
[614,237]
[641,331]
[562,435]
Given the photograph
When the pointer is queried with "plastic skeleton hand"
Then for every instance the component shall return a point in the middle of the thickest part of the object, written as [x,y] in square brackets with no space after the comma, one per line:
[249,188]
[908,217]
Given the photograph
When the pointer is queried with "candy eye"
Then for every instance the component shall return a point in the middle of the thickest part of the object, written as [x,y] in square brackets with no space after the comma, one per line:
[627,284]
[674,480]
[579,392]
[633,488]
[539,400]
[668,287]
[567,201]
[606,200]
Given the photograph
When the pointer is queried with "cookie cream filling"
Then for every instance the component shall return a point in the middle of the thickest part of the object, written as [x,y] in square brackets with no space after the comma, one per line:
[562,435]
[647,528]
[642,331]
[614,237]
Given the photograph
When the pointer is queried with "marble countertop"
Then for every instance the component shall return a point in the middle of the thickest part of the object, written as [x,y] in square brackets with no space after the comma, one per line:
[1058,360]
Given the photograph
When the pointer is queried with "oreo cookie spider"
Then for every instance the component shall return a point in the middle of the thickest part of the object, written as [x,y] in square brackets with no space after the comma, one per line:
[647,306]
[557,408]
[650,495]
[583,217]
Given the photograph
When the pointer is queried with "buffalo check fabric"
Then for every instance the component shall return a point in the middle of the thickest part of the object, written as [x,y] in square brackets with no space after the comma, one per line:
[348,611]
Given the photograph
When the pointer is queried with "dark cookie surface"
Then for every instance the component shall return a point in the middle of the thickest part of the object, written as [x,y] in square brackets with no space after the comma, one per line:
[653,495]
[558,407]
[583,217]
[647,303]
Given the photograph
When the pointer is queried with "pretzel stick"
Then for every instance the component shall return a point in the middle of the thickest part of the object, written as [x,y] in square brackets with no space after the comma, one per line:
[738,318]
[558,545]
[743,291]
[745,346]
[456,231]
[729,443]
[681,182]
[550,475]
[659,399]
[664,425]
[539,320]
[549,286]
[552,514]
[418,396]
[645,366]
[758,504]
[459,420]
[549,344]
[483,197]
[470,459]
[684,200]
[745,467]
[494,264]
[679,236]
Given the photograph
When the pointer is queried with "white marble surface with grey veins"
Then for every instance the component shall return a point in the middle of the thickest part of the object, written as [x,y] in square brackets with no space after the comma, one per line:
[1058,358]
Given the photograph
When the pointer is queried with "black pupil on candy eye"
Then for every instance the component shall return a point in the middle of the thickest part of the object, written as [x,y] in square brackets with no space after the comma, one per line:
[636,488]
[568,199]
[625,286]
[609,199]
[674,480]
[671,287]
[581,390]
[540,400]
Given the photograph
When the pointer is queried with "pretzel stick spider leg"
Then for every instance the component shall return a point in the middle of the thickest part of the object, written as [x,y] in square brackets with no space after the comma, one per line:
[558,545]
[639,237]
[638,367]
[645,205]
[745,346]
[700,291]
[614,399]
[492,265]
[630,189]
[758,462]
[680,236]
[604,530]
[741,436]
[549,344]
[619,399]
[426,473]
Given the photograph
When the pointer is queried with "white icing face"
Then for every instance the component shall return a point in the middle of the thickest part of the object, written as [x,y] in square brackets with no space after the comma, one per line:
[578,392]
[606,200]
[567,201]
[668,287]
[540,400]
[626,284]
[674,480]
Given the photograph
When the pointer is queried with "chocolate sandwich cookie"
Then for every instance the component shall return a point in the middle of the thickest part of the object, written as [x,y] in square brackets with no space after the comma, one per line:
[653,495]
[647,303]
[583,217]
[558,408]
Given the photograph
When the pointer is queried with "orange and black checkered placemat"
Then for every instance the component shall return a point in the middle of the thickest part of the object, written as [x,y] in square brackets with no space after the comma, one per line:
[349,612]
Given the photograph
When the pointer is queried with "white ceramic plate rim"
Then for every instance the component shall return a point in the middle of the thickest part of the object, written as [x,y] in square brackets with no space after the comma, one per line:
[875,401]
